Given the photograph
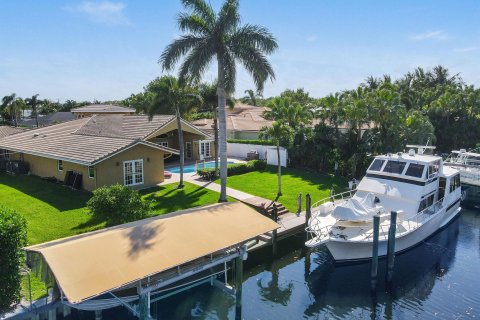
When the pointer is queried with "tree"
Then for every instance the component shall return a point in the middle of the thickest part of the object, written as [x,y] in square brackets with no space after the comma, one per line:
[219,36]
[251,97]
[49,107]
[34,103]
[171,97]
[13,237]
[291,113]
[278,133]
[9,108]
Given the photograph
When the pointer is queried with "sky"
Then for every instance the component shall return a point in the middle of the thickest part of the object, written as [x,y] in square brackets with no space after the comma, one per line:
[107,50]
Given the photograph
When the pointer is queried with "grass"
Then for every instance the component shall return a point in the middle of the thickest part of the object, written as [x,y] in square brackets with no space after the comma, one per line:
[294,181]
[54,211]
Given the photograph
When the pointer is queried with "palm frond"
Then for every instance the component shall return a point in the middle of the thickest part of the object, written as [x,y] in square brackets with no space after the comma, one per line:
[256,64]
[178,48]
[196,62]
[230,72]
[255,37]
[228,17]
[193,23]
[201,8]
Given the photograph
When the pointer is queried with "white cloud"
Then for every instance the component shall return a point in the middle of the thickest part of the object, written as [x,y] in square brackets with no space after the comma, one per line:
[106,12]
[467,49]
[429,35]
[312,38]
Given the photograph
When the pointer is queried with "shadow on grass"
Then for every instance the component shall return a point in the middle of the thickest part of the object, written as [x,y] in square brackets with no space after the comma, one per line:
[56,195]
[93,222]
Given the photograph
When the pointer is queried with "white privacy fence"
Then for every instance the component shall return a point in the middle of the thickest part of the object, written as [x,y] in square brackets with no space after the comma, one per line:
[269,153]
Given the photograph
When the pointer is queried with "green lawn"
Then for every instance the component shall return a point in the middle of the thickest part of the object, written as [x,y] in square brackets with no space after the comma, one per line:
[294,181]
[54,211]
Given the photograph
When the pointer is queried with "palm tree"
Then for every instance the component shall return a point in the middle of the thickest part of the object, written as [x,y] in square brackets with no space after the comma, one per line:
[9,107]
[33,103]
[251,97]
[171,97]
[220,36]
[277,133]
[291,113]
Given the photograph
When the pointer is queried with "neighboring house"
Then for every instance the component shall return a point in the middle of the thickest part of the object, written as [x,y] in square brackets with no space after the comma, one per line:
[94,109]
[6,131]
[47,120]
[108,149]
[243,122]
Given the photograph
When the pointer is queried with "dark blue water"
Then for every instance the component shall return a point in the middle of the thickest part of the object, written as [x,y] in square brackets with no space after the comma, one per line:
[439,279]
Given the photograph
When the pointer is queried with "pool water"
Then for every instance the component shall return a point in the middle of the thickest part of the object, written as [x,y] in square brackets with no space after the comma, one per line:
[192,167]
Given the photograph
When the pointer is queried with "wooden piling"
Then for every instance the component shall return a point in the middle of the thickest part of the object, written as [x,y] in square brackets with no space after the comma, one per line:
[391,245]
[299,204]
[274,232]
[376,231]
[308,213]
[238,287]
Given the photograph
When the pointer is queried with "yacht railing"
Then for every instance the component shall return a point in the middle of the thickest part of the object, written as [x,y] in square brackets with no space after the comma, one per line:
[336,197]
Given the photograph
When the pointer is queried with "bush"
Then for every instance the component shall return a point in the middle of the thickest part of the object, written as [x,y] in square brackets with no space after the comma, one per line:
[13,237]
[117,204]
[258,142]
[234,169]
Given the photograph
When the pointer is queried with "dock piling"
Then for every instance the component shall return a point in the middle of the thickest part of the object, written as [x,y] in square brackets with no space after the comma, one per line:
[376,230]
[299,204]
[238,287]
[391,245]
[274,232]
[308,212]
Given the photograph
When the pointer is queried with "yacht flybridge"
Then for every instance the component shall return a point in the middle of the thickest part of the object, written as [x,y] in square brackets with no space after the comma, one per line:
[425,194]
[468,163]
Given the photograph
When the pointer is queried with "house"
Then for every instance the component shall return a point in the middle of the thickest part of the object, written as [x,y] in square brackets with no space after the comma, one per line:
[95,109]
[6,131]
[48,119]
[243,122]
[106,149]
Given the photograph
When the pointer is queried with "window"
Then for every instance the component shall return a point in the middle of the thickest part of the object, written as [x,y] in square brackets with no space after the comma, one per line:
[454,183]
[6,155]
[427,202]
[188,150]
[433,168]
[415,170]
[376,165]
[60,165]
[394,167]
[205,149]
[91,172]
[133,172]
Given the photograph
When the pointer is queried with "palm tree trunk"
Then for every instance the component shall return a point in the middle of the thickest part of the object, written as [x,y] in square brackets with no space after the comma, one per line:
[222,101]
[279,172]
[181,147]
[36,115]
[215,128]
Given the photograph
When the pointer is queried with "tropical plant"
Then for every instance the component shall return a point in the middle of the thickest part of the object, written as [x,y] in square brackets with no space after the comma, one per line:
[172,97]
[291,113]
[13,237]
[251,97]
[220,36]
[117,204]
[34,104]
[279,134]
[9,108]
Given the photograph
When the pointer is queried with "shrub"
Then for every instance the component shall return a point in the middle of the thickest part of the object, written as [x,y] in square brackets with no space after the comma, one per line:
[117,204]
[258,142]
[13,237]
[234,169]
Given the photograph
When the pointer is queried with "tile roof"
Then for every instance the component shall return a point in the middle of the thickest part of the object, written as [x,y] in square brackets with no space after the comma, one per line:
[87,140]
[49,119]
[6,131]
[103,108]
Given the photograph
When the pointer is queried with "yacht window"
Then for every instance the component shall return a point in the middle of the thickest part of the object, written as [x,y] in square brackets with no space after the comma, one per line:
[425,203]
[454,183]
[376,165]
[473,161]
[433,168]
[415,170]
[394,167]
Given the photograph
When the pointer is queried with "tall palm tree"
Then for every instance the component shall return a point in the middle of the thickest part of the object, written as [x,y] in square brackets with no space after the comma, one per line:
[277,133]
[251,97]
[9,107]
[291,113]
[33,103]
[219,36]
[173,98]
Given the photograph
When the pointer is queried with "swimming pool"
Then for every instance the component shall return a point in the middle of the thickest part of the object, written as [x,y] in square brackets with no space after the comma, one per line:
[191,167]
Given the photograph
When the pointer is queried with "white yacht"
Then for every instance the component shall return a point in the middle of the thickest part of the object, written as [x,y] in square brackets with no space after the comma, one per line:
[468,163]
[425,194]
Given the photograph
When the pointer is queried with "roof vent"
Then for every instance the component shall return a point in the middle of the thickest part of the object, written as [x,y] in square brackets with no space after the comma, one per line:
[411,152]
[35,135]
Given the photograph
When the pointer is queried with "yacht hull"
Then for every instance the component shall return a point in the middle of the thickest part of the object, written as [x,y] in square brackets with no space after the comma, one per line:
[354,251]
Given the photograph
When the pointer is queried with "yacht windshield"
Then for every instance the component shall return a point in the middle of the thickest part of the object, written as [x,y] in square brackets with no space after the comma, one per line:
[415,170]
[394,167]
[376,165]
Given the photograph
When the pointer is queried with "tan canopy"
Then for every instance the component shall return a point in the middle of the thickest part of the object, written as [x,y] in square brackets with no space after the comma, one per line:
[90,264]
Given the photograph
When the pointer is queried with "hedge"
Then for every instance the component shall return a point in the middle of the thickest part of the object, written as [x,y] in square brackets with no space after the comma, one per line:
[258,142]
[234,169]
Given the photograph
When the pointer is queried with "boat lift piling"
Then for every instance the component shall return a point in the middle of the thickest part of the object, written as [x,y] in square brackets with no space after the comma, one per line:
[391,246]
[274,232]
[299,204]
[308,212]
[238,286]
[376,229]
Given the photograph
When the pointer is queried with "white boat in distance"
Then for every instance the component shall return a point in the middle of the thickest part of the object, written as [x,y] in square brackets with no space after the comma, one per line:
[425,194]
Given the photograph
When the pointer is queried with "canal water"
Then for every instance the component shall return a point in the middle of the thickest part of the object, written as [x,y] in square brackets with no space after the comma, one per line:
[439,279]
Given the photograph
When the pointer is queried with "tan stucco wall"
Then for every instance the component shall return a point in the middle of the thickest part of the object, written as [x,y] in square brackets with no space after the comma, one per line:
[108,172]
[45,167]
[187,137]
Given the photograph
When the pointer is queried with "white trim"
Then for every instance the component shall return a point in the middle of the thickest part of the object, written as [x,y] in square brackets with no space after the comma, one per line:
[134,166]
[200,132]
[200,142]
[88,172]
[58,165]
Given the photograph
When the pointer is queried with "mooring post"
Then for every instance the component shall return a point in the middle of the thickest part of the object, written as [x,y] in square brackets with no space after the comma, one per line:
[308,212]
[98,314]
[391,245]
[274,232]
[376,230]
[144,306]
[238,286]
[299,203]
